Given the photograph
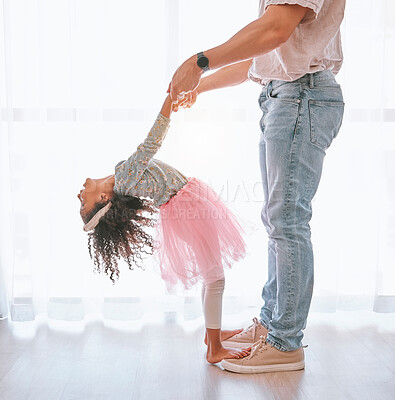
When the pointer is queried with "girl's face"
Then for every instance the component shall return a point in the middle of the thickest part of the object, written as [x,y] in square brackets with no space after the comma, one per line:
[95,191]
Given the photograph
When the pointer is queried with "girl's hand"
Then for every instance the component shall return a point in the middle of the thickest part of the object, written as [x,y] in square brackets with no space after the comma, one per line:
[187,101]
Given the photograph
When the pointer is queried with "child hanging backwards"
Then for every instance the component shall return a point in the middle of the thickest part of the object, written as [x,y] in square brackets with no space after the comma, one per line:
[197,234]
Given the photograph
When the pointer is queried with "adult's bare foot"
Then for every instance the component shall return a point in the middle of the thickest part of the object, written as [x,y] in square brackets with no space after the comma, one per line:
[225,335]
[217,355]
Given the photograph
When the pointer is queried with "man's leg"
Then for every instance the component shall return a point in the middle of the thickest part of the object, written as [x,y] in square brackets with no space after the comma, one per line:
[299,125]
[269,291]
[300,120]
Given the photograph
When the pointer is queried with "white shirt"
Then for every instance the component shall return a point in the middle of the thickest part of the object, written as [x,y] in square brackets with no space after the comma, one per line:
[315,45]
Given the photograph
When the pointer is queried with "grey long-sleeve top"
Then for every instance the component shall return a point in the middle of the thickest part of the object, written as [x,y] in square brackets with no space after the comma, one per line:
[143,176]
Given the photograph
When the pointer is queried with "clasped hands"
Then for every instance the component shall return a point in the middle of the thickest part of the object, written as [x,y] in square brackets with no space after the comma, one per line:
[185,100]
[184,86]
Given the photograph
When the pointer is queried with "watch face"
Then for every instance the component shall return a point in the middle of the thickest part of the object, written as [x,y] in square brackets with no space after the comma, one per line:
[202,62]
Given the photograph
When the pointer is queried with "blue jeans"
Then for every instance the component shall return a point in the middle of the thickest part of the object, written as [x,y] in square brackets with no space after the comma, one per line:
[300,120]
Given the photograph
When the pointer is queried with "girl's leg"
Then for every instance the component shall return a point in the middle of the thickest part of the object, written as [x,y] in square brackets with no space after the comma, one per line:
[212,310]
[203,294]
[208,255]
[212,304]
[225,334]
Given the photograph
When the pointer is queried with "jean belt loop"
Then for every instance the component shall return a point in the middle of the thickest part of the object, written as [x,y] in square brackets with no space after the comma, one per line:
[311,81]
[268,88]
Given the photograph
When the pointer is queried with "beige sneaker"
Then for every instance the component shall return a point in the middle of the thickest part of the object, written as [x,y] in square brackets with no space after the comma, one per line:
[265,358]
[248,337]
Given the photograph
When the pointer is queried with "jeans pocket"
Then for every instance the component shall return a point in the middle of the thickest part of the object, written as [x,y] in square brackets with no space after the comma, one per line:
[261,101]
[287,92]
[325,121]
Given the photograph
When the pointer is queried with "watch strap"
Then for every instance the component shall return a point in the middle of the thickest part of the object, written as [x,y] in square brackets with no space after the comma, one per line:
[202,61]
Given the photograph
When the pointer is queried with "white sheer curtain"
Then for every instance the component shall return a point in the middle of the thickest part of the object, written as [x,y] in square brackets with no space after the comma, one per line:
[81,85]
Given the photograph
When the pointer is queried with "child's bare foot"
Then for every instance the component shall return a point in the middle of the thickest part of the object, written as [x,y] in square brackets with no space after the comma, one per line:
[225,335]
[215,356]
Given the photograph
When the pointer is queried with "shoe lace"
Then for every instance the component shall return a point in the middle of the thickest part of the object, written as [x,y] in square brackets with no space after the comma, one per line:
[253,326]
[258,346]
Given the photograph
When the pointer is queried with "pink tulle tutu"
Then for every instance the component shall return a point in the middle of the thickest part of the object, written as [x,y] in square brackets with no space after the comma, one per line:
[197,236]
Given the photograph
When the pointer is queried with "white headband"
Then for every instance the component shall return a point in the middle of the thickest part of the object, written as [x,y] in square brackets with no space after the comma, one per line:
[96,218]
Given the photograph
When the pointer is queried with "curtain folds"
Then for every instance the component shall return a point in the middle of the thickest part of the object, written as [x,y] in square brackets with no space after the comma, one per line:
[3,298]
[80,86]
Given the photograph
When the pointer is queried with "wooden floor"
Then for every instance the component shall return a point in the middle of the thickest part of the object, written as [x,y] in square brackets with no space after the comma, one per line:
[351,355]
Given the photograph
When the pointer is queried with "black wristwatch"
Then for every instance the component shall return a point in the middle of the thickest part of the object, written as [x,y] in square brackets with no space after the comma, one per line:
[202,61]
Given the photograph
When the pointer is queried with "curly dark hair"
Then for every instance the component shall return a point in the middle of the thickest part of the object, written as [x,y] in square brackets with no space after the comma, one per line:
[121,233]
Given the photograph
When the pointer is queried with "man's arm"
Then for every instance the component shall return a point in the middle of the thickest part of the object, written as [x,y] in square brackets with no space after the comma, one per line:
[230,75]
[259,37]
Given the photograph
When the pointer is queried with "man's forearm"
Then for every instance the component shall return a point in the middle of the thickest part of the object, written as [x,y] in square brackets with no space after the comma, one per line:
[231,75]
[259,37]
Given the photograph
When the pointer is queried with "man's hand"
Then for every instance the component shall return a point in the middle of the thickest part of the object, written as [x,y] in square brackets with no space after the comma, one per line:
[231,75]
[185,80]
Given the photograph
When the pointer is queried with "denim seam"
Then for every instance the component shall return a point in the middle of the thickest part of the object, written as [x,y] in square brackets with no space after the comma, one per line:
[264,324]
[276,345]
[319,77]
[313,137]
[288,216]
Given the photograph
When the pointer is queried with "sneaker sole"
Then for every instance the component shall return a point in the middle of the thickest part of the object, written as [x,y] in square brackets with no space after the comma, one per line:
[236,345]
[258,369]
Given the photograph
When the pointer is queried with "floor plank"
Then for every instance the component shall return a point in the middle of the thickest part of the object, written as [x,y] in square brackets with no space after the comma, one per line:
[350,355]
